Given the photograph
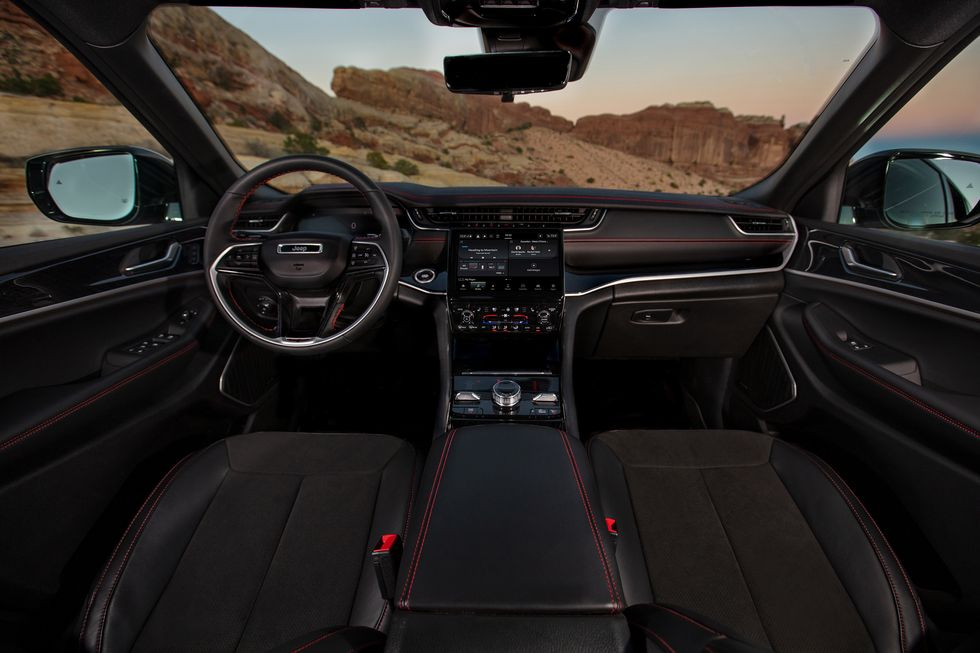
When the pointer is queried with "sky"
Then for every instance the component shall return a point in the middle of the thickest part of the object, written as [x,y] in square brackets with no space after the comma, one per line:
[784,61]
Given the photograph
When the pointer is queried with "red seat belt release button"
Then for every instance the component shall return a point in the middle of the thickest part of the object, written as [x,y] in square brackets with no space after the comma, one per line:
[385,557]
[611,526]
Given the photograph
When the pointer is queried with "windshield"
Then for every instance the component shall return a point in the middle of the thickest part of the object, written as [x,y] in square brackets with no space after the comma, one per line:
[704,101]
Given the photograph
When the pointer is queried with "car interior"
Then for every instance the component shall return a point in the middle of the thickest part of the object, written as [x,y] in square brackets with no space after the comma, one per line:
[264,390]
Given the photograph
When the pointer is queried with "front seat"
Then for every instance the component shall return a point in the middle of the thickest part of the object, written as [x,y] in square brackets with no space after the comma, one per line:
[258,542]
[754,534]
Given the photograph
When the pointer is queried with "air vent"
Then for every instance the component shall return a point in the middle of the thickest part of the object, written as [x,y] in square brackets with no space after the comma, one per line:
[762,226]
[508,216]
[257,223]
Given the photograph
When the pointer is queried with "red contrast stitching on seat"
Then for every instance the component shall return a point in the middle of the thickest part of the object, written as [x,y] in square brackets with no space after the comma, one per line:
[590,518]
[98,587]
[320,639]
[426,520]
[87,402]
[690,620]
[874,545]
[660,640]
[129,549]
[924,406]
[828,471]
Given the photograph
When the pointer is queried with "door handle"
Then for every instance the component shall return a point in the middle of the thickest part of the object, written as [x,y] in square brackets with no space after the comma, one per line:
[168,260]
[850,258]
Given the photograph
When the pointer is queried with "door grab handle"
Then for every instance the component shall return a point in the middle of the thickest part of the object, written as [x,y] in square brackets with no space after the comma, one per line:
[851,260]
[168,260]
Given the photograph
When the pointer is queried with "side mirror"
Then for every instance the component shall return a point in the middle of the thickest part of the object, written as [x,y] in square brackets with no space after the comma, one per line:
[102,186]
[925,190]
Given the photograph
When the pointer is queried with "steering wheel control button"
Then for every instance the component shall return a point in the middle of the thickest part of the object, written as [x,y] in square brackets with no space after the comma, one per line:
[425,275]
[545,398]
[506,394]
[364,256]
[467,396]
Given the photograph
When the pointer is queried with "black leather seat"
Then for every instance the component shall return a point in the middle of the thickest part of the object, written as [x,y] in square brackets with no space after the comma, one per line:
[756,535]
[258,542]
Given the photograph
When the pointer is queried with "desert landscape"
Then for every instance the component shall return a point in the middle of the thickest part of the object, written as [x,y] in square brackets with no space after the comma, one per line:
[400,124]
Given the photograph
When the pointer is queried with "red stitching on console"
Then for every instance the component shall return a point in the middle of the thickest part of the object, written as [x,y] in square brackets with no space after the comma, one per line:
[924,406]
[129,550]
[590,518]
[874,545]
[426,520]
[87,402]
[660,640]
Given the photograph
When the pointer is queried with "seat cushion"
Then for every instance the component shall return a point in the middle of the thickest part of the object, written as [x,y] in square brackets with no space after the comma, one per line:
[754,534]
[253,542]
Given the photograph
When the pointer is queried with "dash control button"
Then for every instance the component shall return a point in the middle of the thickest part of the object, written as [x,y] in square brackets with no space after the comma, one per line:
[425,275]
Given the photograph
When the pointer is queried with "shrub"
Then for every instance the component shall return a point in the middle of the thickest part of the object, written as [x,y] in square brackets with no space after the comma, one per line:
[590,180]
[359,123]
[256,147]
[521,127]
[702,183]
[674,185]
[226,79]
[316,125]
[406,167]
[377,160]
[303,143]
[44,86]
[280,122]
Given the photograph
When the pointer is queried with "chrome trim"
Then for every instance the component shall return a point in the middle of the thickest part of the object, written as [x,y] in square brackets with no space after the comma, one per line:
[427,292]
[770,233]
[466,396]
[602,216]
[291,343]
[170,257]
[318,248]
[787,254]
[851,263]
[962,312]
[275,227]
[416,225]
[492,373]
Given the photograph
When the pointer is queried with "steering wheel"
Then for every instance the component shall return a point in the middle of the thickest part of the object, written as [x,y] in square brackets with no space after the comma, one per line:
[301,292]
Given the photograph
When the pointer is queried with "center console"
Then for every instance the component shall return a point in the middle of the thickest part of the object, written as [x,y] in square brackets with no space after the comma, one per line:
[505,299]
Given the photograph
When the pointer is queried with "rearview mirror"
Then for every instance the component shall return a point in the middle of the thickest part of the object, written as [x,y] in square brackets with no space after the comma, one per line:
[102,186]
[931,191]
[508,73]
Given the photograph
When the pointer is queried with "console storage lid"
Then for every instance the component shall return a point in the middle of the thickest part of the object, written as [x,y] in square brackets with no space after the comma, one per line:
[505,522]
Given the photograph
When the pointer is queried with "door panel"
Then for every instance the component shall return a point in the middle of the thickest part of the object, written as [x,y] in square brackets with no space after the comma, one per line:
[885,371]
[101,371]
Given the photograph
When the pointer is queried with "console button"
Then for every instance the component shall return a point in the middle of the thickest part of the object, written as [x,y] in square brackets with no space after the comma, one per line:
[467,396]
[545,398]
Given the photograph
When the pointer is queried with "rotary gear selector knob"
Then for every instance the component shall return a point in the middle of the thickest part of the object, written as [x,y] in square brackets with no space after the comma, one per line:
[506,394]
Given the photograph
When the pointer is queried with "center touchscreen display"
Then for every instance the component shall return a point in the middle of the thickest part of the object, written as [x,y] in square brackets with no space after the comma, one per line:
[508,262]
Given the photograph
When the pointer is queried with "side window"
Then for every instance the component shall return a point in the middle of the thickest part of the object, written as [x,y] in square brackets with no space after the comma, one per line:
[921,172]
[50,103]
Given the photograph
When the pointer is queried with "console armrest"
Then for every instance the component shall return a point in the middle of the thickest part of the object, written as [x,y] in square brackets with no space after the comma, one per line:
[505,522]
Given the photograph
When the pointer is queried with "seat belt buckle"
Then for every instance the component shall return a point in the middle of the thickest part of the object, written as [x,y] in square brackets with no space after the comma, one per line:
[612,529]
[385,557]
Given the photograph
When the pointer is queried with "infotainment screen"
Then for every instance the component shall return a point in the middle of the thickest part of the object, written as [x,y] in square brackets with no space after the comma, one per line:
[508,262]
